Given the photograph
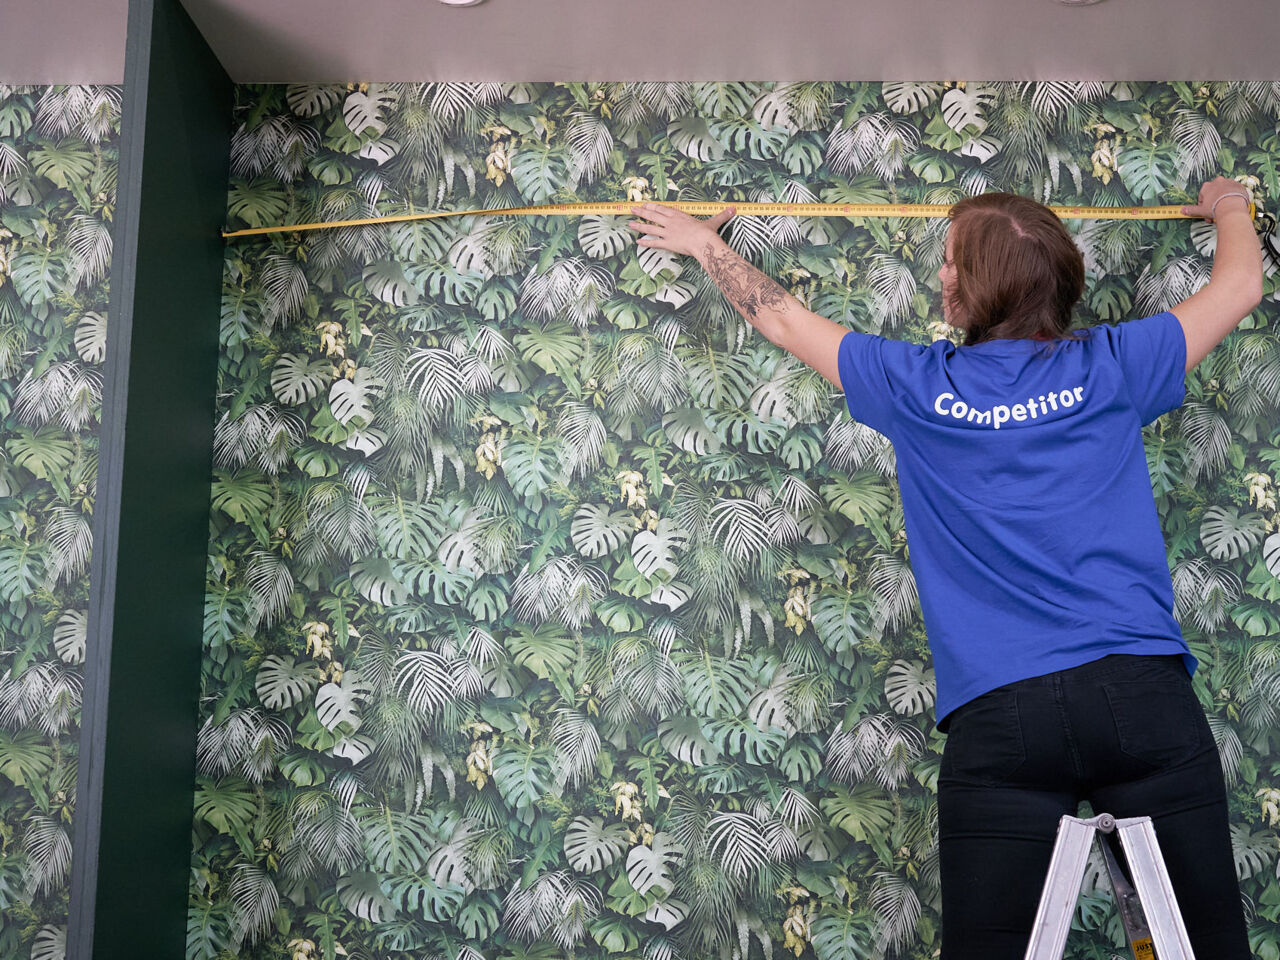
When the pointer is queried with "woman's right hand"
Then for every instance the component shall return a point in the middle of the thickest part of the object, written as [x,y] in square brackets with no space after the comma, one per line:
[1212,192]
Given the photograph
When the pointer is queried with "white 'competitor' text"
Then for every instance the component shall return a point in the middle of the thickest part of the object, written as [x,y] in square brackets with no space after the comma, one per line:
[946,404]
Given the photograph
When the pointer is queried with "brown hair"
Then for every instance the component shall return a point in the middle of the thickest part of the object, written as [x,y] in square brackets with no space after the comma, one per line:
[1018,272]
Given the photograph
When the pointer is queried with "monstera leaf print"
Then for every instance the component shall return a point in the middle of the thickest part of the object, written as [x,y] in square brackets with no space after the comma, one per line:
[591,845]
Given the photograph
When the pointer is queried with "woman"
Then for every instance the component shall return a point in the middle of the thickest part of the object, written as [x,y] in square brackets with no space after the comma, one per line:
[1037,550]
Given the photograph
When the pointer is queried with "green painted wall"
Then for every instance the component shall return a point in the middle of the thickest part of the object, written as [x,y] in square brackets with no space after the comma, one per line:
[144,613]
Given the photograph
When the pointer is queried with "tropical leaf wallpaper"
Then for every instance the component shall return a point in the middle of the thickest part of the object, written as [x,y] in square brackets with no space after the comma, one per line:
[58,163]
[553,612]
[551,609]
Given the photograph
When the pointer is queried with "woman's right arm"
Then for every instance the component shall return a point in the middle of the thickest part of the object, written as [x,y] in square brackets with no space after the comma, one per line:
[1235,283]
[776,314]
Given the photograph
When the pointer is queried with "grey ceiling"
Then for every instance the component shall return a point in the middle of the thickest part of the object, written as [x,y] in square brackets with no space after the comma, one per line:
[82,41]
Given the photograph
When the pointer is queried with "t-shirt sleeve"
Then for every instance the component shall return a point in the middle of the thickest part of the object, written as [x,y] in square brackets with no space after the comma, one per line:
[1152,356]
[874,371]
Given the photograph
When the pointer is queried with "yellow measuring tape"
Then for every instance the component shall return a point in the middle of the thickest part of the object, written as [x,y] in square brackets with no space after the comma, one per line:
[709,208]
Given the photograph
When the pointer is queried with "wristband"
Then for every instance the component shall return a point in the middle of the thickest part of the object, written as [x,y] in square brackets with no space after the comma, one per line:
[1244,196]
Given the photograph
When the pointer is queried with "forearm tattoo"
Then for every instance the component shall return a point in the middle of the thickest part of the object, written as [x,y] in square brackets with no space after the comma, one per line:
[746,287]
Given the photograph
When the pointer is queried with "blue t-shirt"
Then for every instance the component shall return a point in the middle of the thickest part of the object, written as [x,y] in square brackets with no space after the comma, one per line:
[1031,524]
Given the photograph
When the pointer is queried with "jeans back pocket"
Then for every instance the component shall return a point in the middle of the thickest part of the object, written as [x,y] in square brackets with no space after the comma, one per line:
[985,743]
[1157,721]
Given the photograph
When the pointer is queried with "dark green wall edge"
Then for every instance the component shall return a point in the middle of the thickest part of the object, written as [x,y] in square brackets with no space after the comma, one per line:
[137,767]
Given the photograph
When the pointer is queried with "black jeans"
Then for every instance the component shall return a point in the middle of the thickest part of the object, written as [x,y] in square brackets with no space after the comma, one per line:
[1125,733]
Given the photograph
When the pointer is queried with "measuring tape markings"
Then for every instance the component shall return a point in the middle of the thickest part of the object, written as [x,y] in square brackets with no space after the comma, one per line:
[709,207]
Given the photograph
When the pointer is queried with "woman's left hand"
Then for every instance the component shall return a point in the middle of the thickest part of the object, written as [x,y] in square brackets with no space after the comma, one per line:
[674,230]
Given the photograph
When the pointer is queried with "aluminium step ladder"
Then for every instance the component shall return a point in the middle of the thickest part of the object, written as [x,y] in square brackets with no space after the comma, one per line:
[1149,913]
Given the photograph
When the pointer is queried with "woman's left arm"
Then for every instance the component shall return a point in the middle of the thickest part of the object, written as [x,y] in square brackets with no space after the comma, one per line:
[780,317]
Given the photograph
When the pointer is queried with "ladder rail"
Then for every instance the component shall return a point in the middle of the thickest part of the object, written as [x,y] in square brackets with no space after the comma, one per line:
[1151,879]
[1058,900]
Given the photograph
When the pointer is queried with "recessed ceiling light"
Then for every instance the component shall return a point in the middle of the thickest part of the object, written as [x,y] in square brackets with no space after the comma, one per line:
[1079,3]
[472,3]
